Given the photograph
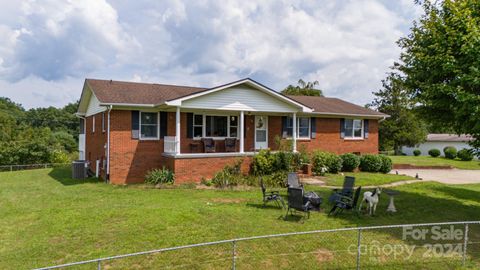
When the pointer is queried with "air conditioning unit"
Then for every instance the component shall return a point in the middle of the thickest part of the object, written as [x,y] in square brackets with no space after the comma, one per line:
[79,169]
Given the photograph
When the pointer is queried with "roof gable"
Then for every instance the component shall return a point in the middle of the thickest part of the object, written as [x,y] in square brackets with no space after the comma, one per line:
[247,82]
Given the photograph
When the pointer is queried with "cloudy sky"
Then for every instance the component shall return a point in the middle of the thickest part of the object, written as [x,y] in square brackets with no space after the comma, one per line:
[47,48]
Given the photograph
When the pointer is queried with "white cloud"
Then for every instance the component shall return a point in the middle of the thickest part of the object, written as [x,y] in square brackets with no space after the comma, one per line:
[346,45]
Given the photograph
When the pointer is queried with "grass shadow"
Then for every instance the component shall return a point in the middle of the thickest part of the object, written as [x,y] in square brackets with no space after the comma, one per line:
[63,174]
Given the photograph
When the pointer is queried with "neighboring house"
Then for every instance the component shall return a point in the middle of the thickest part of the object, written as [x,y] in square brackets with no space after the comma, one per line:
[129,128]
[439,141]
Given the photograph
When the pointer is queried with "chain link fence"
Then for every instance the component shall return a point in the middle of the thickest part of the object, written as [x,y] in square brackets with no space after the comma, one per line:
[427,246]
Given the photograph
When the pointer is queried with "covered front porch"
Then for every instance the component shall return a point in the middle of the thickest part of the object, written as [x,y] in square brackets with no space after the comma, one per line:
[228,120]
[214,133]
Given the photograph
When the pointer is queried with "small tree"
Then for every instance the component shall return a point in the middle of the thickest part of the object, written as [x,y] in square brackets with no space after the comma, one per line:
[403,127]
[303,89]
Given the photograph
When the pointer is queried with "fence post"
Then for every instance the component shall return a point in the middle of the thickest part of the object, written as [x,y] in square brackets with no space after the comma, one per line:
[234,247]
[99,265]
[465,241]
[358,247]
[11,168]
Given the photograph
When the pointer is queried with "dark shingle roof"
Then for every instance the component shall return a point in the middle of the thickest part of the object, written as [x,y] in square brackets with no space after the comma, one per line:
[120,92]
[334,106]
[138,93]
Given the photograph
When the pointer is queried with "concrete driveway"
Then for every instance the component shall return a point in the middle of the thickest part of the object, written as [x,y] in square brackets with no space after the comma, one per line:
[453,176]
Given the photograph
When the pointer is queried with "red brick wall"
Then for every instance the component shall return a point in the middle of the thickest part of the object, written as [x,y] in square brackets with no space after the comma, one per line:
[193,169]
[130,159]
[95,142]
[328,138]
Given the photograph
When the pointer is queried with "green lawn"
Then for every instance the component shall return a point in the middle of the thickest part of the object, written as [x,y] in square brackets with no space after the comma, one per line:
[438,161]
[47,219]
[364,179]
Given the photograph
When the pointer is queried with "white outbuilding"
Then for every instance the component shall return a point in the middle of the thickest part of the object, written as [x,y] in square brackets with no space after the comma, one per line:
[439,141]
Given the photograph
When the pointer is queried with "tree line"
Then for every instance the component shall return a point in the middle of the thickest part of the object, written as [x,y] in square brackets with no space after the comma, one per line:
[39,135]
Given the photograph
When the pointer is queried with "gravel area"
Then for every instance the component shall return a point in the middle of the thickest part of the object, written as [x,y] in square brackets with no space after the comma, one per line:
[452,177]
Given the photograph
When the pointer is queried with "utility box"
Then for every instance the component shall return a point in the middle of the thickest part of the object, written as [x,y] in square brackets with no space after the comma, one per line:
[79,169]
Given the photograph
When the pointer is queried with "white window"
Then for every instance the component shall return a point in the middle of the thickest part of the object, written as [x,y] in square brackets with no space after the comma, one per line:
[197,125]
[149,125]
[233,126]
[93,124]
[215,126]
[303,127]
[354,128]
[103,122]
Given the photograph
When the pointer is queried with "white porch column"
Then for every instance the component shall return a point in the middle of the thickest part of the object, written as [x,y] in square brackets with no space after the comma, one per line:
[294,132]
[242,126]
[177,131]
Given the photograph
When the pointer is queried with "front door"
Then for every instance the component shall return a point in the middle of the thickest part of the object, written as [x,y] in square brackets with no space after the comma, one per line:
[261,132]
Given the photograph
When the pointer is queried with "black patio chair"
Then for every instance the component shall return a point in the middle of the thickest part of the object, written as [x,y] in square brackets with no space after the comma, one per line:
[230,144]
[296,202]
[293,180]
[269,196]
[346,203]
[346,191]
[208,145]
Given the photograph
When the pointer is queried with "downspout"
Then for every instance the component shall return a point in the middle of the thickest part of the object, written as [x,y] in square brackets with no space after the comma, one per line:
[108,143]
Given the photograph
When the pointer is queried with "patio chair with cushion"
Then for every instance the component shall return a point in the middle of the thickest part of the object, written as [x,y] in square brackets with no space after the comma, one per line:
[230,144]
[296,202]
[208,145]
[269,196]
[293,180]
[346,203]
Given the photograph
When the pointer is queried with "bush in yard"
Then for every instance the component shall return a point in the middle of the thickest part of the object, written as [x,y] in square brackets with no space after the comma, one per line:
[371,163]
[386,164]
[349,162]
[262,163]
[276,179]
[417,152]
[230,175]
[434,152]
[465,155]
[58,156]
[160,176]
[282,161]
[450,152]
[325,160]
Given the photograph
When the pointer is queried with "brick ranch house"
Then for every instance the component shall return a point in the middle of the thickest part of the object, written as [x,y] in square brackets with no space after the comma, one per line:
[129,128]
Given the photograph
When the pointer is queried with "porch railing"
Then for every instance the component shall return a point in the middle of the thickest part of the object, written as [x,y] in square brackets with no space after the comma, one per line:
[170,144]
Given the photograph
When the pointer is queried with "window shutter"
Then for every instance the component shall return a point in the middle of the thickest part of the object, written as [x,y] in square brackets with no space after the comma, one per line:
[365,128]
[163,124]
[342,128]
[189,125]
[135,124]
[313,127]
[284,127]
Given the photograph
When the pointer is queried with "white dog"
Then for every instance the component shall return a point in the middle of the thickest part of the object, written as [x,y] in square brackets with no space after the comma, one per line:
[372,199]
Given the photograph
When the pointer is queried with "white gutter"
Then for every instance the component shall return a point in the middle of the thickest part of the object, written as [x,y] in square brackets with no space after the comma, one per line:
[108,142]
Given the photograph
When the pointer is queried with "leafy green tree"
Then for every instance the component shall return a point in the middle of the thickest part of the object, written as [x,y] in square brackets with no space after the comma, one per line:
[403,127]
[440,62]
[303,89]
